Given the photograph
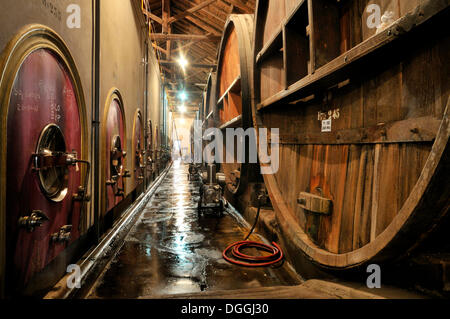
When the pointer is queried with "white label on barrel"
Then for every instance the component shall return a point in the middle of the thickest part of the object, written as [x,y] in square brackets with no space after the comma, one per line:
[326,125]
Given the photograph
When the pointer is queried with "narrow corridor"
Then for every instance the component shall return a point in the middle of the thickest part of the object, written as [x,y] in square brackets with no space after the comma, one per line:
[170,250]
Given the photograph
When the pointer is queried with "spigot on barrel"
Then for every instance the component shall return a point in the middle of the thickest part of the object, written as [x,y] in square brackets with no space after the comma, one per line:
[63,236]
[36,219]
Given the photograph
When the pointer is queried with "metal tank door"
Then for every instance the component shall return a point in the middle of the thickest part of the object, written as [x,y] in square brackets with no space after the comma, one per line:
[139,150]
[115,154]
[44,182]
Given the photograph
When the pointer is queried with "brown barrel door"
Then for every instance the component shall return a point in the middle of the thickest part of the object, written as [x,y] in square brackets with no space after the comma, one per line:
[138,150]
[149,153]
[114,152]
[44,137]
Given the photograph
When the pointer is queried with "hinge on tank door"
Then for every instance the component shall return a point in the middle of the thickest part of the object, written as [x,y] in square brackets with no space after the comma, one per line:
[36,219]
[314,203]
[63,236]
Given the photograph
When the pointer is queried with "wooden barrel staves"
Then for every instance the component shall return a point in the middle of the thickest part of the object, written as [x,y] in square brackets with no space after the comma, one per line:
[208,112]
[233,94]
[362,112]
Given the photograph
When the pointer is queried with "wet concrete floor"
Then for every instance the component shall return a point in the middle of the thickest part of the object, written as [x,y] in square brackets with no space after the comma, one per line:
[171,250]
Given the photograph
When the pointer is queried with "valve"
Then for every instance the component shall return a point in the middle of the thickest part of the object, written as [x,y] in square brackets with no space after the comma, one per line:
[36,219]
[81,195]
[63,236]
[120,192]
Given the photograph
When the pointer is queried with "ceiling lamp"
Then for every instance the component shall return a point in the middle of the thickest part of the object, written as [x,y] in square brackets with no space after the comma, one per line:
[183,62]
[183,96]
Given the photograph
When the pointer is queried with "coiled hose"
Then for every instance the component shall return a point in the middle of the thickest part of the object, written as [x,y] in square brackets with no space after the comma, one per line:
[241,259]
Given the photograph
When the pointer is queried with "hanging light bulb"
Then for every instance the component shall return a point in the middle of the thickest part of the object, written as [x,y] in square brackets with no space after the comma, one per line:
[183,96]
[183,62]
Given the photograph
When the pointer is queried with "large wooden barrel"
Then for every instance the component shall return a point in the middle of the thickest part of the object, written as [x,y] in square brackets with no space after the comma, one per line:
[233,92]
[363,121]
[208,112]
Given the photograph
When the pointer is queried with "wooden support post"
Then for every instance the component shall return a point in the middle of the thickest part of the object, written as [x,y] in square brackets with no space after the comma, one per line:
[166,28]
[184,37]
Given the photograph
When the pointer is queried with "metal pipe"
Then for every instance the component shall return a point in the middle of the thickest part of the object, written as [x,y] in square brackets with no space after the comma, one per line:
[96,114]
[146,116]
[211,174]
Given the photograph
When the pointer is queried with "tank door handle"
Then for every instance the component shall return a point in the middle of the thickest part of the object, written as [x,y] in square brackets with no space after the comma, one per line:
[63,236]
[82,193]
[315,204]
[36,219]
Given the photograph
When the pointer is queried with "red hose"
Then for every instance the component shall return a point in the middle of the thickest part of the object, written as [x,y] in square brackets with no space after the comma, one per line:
[242,259]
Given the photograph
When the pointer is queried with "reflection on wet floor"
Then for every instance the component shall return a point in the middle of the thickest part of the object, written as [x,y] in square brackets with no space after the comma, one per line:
[170,250]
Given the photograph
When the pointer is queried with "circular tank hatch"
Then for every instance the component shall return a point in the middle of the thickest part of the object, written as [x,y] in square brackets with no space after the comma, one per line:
[53,179]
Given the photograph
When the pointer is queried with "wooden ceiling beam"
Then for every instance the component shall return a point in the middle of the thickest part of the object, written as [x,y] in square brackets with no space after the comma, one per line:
[239,5]
[159,48]
[183,37]
[185,46]
[193,75]
[204,26]
[193,65]
[191,11]
[153,17]
[204,15]
[166,28]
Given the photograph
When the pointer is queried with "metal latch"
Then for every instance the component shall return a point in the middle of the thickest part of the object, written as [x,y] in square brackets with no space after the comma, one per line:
[63,236]
[314,203]
[36,219]
[81,195]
